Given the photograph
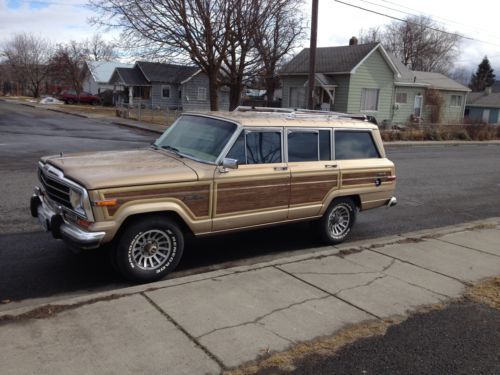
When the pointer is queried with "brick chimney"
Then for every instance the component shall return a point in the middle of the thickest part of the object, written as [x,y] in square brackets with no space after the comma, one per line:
[353,41]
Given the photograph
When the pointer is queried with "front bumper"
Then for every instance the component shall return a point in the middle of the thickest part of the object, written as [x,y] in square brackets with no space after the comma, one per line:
[52,220]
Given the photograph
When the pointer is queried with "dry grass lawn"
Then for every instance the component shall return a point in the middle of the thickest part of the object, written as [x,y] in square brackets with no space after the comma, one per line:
[486,292]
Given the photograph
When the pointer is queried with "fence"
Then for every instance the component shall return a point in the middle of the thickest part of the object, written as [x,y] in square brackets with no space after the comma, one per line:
[140,111]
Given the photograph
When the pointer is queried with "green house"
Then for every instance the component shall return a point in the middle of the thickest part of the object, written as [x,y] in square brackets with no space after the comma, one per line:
[366,79]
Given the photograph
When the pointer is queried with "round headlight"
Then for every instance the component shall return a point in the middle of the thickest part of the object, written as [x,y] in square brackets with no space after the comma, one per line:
[75,199]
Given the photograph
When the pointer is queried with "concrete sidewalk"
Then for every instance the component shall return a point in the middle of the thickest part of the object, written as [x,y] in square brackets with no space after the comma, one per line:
[209,322]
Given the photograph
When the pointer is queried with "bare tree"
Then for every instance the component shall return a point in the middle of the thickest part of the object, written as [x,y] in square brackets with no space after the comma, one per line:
[28,56]
[226,39]
[241,23]
[461,75]
[419,43]
[371,35]
[68,65]
[196,29]
[283,29]
[97,49]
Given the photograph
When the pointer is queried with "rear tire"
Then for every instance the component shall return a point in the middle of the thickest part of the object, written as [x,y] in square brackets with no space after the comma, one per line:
[149,249]
[336,224]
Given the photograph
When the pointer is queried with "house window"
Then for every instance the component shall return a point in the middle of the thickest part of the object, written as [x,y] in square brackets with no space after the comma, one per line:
[456,100]
[401,98]
[165,91]
[369,99]
[202,93]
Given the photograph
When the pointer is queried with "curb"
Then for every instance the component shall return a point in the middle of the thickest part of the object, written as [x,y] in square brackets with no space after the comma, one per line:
[66,113]
[321,252]
[150,129]
[441,143]
[137,126]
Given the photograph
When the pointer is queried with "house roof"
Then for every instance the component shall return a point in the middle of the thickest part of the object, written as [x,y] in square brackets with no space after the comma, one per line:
[103,70]
[129,77]
[323,80]
[424,79]
[165,73]
[431,80]
[330,60]
[483,99]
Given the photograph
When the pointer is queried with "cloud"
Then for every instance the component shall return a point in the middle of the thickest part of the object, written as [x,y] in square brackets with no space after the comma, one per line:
[59,21]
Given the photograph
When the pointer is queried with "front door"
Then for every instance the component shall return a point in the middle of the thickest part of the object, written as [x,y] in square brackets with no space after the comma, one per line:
[486,116]
[417,110]
[258,191]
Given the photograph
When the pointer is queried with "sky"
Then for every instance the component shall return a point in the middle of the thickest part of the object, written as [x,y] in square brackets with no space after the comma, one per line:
[64,20]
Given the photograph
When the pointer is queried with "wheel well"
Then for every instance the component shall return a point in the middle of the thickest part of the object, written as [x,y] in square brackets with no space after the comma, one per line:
[174,216]
[355,198]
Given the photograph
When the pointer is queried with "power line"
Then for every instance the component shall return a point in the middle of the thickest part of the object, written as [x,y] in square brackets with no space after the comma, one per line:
[433,16]
[403,20]
[414,23]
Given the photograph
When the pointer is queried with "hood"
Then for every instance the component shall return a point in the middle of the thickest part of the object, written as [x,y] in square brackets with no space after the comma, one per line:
[97,170]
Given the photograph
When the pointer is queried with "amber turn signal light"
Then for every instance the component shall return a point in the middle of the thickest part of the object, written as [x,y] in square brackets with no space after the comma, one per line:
[106,203]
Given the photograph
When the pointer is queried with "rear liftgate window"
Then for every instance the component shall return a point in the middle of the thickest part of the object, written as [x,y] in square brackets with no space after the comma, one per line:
[354,145]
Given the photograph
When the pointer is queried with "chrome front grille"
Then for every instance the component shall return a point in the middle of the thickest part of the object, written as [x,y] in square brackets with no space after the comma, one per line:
[56,190]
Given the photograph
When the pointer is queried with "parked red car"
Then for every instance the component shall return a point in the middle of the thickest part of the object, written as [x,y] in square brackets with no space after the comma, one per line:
[70,97]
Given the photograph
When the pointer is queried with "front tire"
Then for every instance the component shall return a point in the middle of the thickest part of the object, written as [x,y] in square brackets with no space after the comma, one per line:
[337,222]
[149,249]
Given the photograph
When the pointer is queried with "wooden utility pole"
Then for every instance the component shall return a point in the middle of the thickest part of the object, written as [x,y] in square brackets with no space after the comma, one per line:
[312,54]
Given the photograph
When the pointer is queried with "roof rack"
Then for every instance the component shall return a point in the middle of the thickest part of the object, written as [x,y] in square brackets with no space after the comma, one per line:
[296,113]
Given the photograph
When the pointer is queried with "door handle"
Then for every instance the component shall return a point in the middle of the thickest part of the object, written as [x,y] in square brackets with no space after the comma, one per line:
[330,165]
[280,168]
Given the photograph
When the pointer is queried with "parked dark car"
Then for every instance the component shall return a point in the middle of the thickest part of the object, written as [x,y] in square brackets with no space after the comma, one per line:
[71,96]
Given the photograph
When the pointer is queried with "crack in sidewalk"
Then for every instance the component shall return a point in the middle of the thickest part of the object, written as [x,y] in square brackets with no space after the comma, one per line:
[422,267]
[185,332]
[329,293]
[262,317]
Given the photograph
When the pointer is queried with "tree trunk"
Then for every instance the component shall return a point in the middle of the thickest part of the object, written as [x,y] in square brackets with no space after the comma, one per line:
[235,95]
[270,88]
[35,90]
[212,91]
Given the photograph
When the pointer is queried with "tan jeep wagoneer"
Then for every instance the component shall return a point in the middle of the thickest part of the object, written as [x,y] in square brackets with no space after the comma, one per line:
[212,173]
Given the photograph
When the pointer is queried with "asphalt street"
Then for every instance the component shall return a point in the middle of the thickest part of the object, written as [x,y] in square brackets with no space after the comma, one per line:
[437,185]
[461,339]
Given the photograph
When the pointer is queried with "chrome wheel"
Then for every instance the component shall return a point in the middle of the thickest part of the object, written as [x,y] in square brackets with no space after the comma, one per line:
[150,250]
[339,221]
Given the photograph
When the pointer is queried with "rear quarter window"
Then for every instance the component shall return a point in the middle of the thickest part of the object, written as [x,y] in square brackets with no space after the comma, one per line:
[354,145]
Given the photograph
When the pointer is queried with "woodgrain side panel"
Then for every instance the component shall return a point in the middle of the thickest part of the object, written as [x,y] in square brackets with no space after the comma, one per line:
[311,189]
[196,198]
[363,178]
[250,195]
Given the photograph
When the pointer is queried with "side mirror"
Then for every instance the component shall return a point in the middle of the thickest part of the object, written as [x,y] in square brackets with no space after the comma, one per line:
[230,163]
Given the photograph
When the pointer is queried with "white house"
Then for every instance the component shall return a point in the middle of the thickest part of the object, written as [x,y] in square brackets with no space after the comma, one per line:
[99,74]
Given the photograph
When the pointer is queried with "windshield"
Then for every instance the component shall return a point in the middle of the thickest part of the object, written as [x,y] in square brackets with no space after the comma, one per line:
[202,138]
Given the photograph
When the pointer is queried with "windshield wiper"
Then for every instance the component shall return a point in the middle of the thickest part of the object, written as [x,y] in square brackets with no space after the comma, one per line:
[173,149]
